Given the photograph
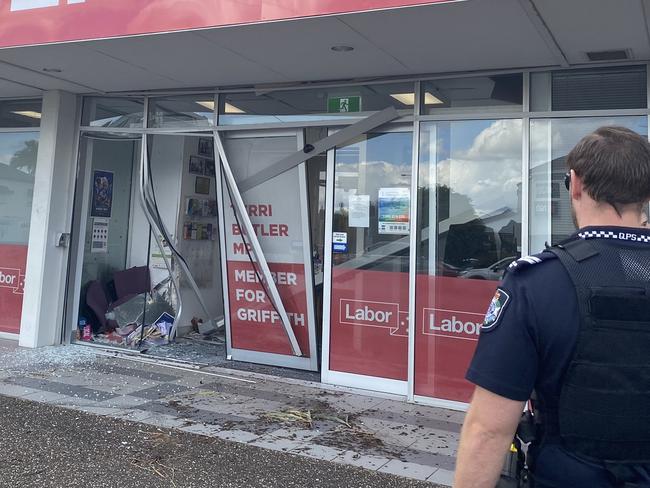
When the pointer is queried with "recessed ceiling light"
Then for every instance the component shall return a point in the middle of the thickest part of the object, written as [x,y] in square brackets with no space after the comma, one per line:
[52,70]
[409,98]
[405,98]
[28,113]
[209,104]
[430,99]
[231,109]
[342,49]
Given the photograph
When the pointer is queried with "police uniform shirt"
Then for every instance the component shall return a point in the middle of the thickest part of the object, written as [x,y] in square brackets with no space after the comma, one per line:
[529,334]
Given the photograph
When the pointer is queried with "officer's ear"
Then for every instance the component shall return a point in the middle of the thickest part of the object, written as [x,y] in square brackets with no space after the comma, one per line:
[575,188]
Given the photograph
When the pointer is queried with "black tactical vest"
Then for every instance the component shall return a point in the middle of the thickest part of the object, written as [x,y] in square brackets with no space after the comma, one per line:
[604,410]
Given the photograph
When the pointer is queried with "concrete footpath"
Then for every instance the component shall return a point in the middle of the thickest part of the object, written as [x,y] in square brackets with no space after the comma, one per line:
[299,420]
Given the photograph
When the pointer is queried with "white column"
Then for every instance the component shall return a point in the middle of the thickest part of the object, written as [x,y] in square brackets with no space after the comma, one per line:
[47,264]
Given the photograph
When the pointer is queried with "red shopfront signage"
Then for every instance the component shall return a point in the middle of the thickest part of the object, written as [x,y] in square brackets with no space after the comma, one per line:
[13,260]
[369,323]
[29,22]
[255,324]
[450,312]
[369,328]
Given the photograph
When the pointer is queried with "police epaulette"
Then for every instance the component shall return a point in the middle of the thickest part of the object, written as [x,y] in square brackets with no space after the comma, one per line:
[526,261]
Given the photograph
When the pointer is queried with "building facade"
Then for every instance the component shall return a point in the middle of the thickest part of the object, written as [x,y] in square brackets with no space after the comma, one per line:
[342,184]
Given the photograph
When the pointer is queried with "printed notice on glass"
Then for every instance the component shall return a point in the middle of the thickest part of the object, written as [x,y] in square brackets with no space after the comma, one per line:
[340,241]
[393,210]
[359,215]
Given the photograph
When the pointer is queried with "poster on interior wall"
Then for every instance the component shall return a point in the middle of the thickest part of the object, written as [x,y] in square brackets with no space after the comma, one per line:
[102,201]
[209,169]
[393,207]
[99,243]
[197,165]
[206,146]
[202,185]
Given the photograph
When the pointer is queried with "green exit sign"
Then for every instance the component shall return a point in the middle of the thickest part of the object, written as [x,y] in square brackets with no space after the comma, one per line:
[339,105]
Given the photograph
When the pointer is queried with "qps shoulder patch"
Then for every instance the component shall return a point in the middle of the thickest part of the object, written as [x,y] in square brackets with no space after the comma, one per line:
[495,310]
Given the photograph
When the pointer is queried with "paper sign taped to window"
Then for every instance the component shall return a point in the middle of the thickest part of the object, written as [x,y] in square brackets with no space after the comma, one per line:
[359,211]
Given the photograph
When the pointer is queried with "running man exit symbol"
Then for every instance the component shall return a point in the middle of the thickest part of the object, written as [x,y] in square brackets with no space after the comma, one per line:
[339,105]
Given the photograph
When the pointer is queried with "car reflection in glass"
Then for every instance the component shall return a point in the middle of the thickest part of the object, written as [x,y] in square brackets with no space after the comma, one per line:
[493,272]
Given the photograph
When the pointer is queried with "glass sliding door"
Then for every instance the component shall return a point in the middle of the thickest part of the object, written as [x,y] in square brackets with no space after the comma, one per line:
[279,211]
[469,230]
[550,142]
[370,261]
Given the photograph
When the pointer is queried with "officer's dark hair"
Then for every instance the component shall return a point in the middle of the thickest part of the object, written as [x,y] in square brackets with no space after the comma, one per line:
[614,165]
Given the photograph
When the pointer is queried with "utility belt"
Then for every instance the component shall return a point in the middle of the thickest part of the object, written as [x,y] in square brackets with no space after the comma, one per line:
[518,469]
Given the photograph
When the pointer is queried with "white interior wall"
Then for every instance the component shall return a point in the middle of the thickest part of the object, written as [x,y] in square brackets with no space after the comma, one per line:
[166,153]
[203,257]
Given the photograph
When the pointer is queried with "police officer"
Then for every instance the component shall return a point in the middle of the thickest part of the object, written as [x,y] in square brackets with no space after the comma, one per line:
[572,325]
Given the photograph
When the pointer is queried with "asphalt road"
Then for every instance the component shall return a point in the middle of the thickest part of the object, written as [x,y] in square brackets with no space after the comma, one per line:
[46,446]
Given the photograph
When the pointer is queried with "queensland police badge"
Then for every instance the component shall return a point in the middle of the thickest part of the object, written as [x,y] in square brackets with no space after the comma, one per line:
[497,305]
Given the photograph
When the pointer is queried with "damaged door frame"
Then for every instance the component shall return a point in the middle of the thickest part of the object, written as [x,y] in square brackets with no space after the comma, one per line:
[248,232]
[309,360]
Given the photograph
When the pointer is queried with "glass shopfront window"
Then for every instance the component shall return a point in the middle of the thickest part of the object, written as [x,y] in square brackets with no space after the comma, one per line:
[324,103]
[370,261]
[469,211]
[620,87]
[119,113]
[18,152]
[20,113]
[194,111]
[550,141]
[469,230]
[485,93]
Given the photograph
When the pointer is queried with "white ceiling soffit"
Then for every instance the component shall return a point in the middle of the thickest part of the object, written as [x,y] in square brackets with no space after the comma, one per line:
[464,36]
[187,59]
[17,70]
[16,90]
[301,50]
[86,70]
[580,26]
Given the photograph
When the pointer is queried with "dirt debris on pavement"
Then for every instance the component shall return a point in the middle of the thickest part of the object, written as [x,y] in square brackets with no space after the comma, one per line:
[52,447]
